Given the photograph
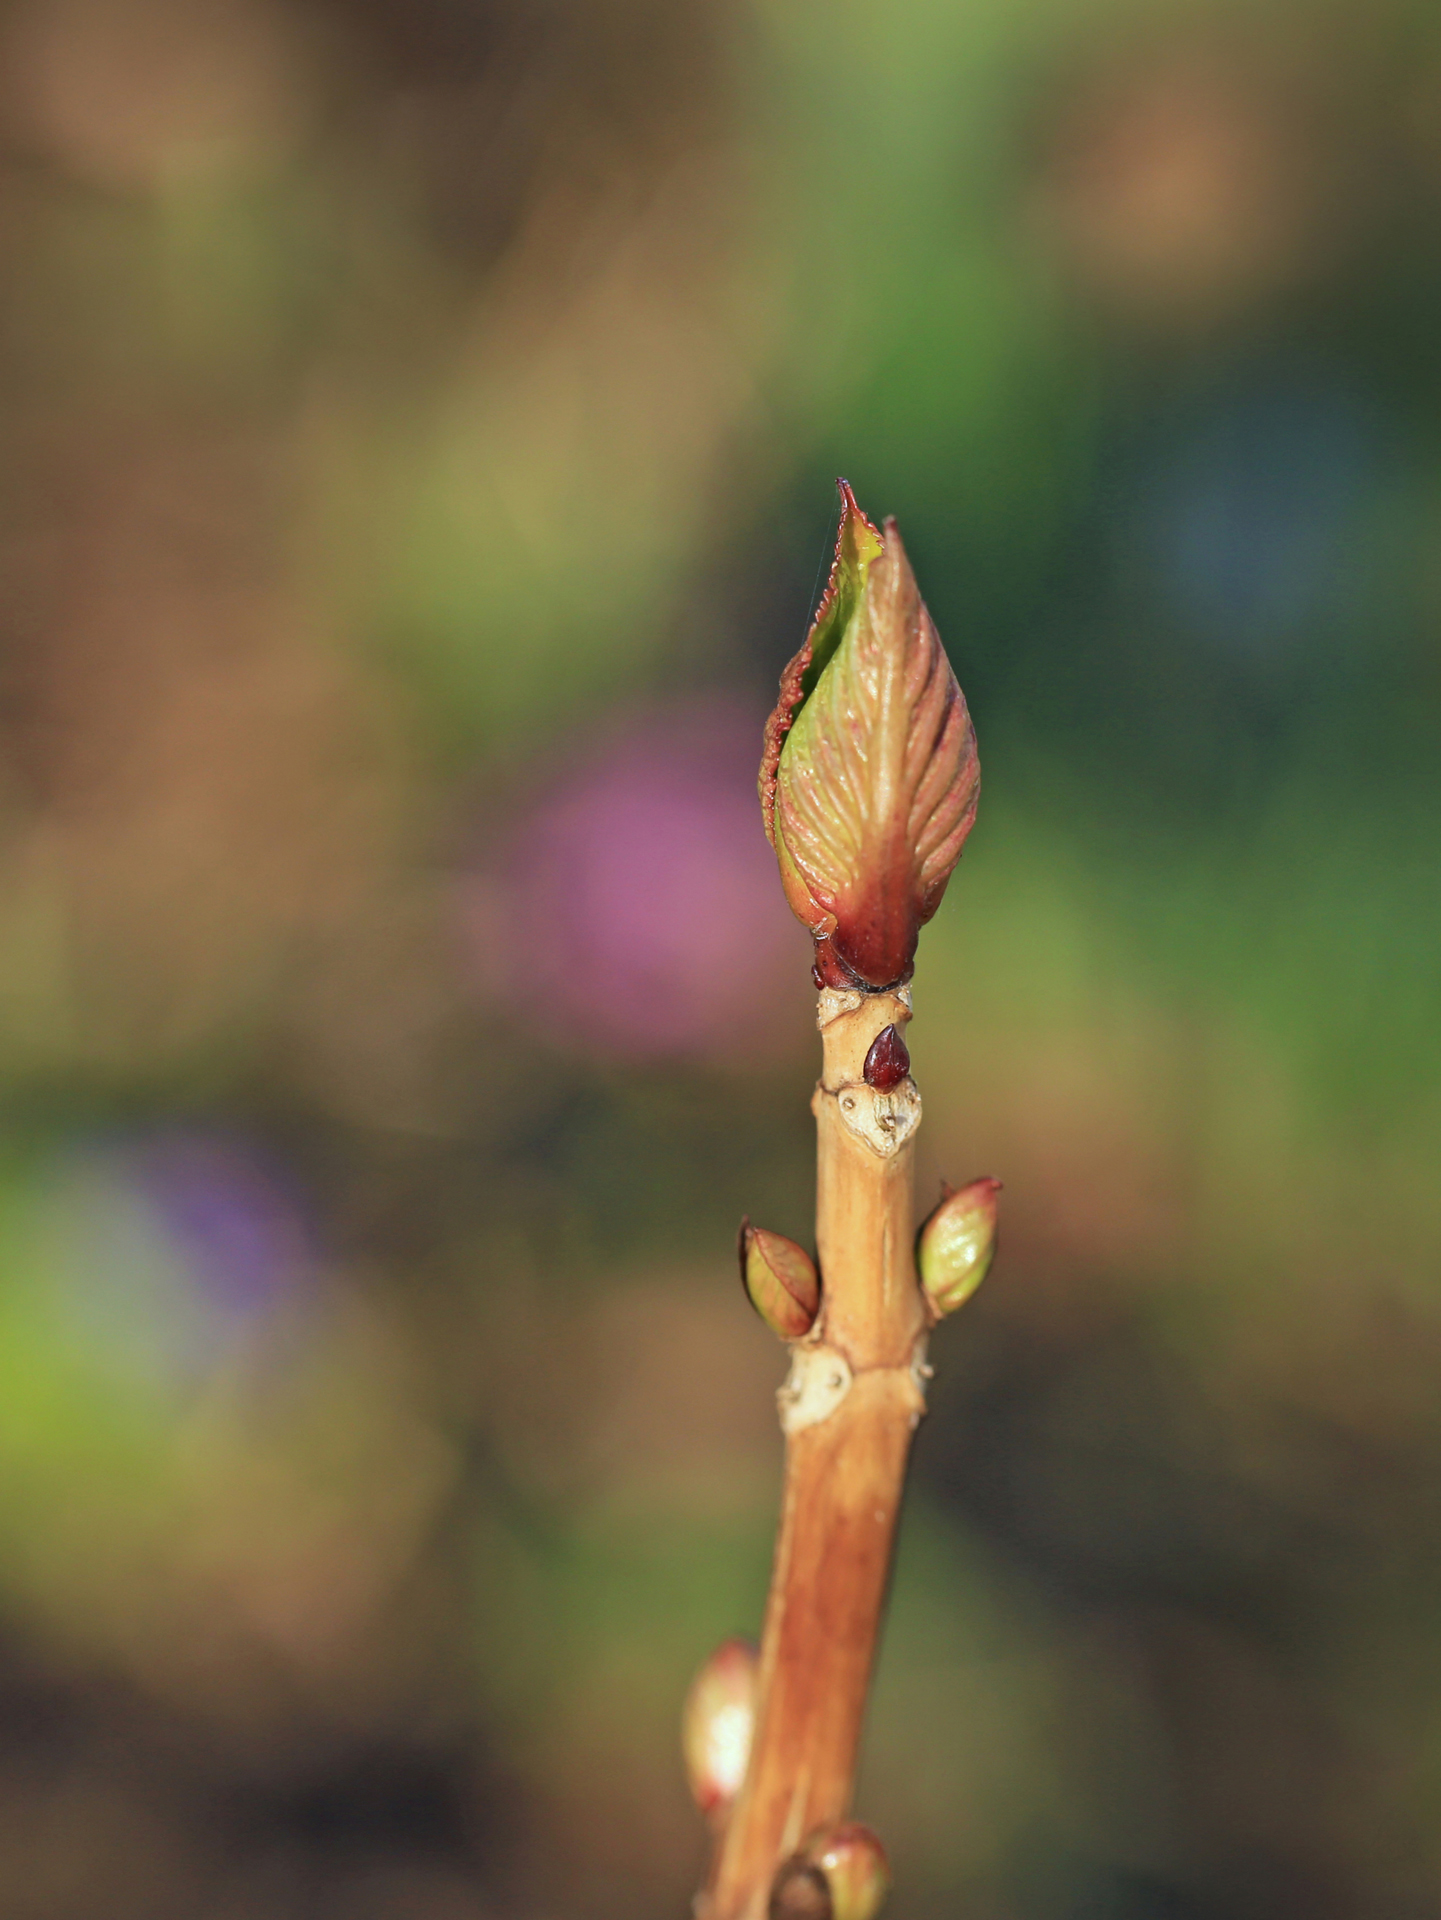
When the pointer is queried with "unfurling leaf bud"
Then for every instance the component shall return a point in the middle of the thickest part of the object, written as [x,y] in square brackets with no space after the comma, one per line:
[840,1874]
[870,777]
[717,1723]
[780,1280]
[955,1247]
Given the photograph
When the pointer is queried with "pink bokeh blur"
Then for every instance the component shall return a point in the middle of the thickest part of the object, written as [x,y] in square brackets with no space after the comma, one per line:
[634,909]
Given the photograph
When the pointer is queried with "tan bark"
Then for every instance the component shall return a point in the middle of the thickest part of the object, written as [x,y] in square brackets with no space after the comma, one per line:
[849,1408]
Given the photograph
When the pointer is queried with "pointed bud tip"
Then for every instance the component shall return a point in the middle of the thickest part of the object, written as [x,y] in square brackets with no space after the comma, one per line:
[717,1723]
[957,1243]
[780,1281]
[858,542]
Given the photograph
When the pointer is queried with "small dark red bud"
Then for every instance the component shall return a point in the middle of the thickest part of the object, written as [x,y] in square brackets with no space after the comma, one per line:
[887,1063]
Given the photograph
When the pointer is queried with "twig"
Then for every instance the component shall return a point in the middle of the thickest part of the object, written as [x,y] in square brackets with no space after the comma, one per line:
[869,789]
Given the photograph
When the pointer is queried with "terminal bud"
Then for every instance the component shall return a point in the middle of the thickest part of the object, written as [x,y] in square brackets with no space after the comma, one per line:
[717,1723]
[869,777]
[780,1280]
[955,1247]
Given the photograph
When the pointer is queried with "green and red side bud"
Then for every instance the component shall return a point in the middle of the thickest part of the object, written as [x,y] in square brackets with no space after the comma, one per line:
[717,1723]
[957,1243]
[870,776]
[840,1874]
[780,1280]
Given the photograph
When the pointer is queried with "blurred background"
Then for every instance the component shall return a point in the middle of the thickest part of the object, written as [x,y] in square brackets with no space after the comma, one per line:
[420,423]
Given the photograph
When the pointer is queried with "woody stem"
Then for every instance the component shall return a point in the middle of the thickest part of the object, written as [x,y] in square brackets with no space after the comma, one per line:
[849,1408]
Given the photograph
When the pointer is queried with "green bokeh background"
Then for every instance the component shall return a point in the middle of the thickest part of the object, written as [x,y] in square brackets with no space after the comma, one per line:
[402,406]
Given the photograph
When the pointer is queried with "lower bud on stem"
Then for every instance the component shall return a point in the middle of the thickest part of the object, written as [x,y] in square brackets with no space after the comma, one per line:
[840,1874]
[717,1723]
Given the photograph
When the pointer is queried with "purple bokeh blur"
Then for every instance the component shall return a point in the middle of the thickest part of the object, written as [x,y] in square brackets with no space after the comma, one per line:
[237,1219]
[176,1250]
[636,908]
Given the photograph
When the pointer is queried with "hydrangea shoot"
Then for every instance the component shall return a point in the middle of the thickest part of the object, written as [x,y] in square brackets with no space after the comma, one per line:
[868,790]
